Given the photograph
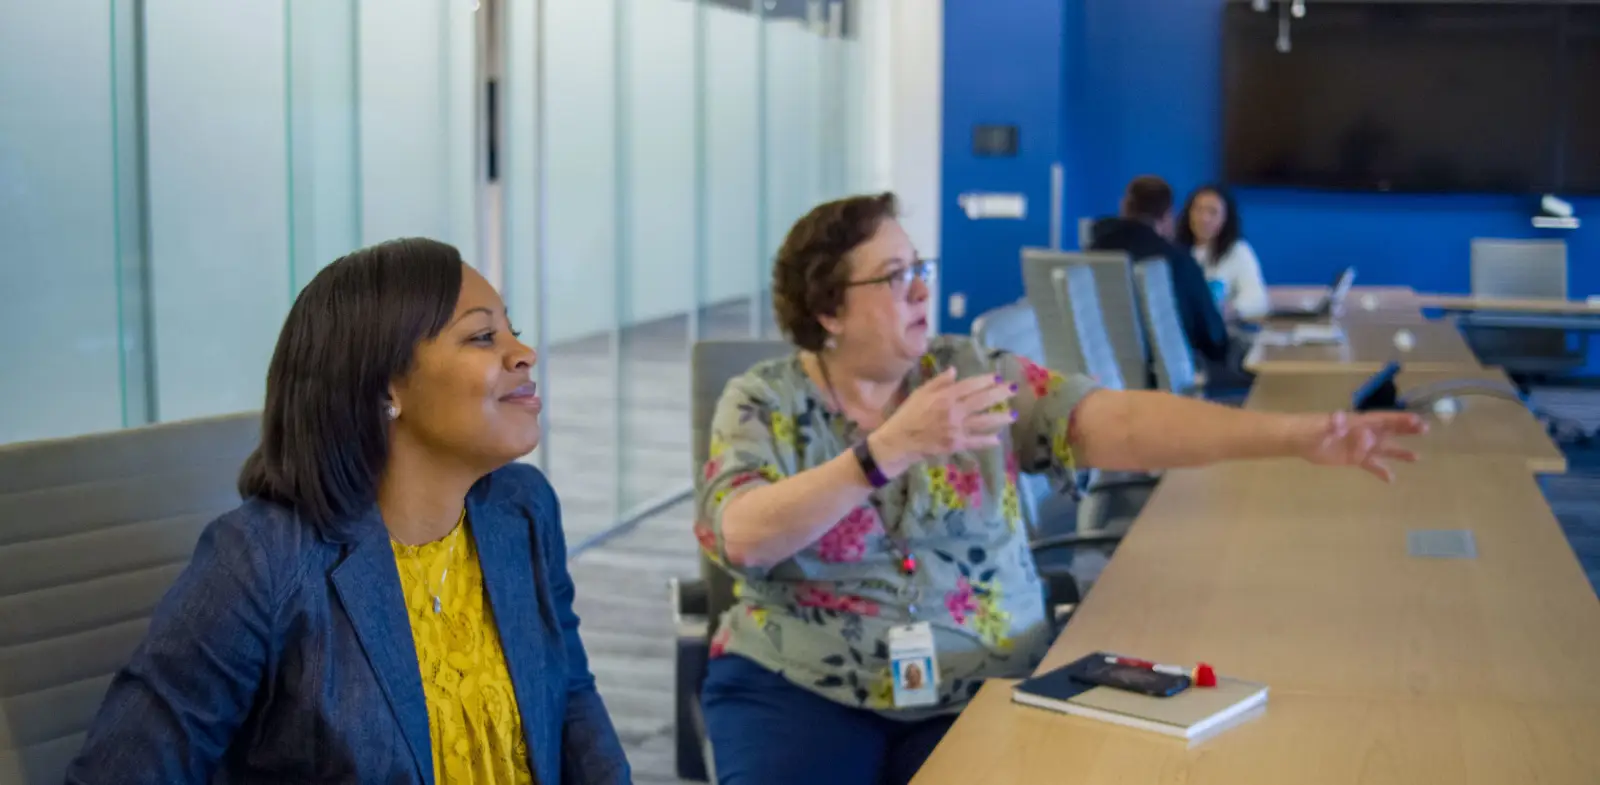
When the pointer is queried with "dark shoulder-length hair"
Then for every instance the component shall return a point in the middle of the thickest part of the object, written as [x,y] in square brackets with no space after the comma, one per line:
[353,330]
[1232,224]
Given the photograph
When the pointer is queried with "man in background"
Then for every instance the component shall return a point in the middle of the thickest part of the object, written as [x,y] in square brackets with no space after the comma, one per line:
[1144,230]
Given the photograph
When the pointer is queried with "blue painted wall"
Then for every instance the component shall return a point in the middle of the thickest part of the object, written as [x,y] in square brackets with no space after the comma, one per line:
[1136,89]
[1003,64]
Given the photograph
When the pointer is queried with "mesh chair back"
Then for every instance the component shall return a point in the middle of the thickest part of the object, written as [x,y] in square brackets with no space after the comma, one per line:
[1169,347]
[1080,302]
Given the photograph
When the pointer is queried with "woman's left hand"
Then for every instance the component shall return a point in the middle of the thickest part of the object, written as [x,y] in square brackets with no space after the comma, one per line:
[1366,441]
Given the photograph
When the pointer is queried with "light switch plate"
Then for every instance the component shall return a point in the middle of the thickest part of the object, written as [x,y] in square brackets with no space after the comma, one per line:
[980,205]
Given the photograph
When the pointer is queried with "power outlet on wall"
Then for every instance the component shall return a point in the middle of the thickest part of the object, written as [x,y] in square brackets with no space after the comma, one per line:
[958,306]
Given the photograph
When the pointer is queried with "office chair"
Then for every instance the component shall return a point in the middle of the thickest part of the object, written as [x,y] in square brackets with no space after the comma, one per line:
[93,531]
[1522,268]
[1013,328]
[1113,283]
[698,605]
[1078,301]
[1169,347]
[1112,500]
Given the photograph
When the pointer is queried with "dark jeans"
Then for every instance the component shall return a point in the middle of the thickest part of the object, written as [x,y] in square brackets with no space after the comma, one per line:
[764,730]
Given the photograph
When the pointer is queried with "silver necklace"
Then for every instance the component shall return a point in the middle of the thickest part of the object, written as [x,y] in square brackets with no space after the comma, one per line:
[449,559]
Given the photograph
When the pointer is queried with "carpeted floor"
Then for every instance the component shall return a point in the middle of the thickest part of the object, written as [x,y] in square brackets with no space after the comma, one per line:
[1575,496]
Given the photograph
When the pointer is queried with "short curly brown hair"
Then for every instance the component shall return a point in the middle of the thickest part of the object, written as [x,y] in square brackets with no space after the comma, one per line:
[810,273]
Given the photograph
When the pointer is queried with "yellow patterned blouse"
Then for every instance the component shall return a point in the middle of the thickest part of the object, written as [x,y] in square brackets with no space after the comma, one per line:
[472,712]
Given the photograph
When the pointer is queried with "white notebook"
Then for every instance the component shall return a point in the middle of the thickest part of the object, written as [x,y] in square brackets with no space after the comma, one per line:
[1194,713]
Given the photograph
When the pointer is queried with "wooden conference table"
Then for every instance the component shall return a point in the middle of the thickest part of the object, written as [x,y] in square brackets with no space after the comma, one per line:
[1363,302]
[1534,305]
[1367,346]
[1370,320]
[1383,667]
[1482,425]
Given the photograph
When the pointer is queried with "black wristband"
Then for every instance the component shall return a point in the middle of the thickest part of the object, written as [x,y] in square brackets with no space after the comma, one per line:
[869,464]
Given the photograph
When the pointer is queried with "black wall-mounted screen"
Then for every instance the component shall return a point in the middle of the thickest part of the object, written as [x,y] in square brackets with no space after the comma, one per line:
[1581,169]
[1419,97]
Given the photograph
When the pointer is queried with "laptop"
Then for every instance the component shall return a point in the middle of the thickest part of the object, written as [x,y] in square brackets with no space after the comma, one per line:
[1322,308]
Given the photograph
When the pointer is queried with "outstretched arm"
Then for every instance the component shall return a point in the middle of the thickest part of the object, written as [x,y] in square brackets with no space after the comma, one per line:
[1140,430]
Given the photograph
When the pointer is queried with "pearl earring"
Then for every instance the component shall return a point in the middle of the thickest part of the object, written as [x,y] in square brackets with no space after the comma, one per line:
[392,412]
[831,343]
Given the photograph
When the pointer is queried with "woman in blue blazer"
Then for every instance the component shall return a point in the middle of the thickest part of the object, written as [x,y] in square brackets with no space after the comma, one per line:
[391,603]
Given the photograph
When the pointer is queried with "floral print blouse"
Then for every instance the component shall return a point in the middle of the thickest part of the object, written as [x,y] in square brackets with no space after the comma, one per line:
[822,618]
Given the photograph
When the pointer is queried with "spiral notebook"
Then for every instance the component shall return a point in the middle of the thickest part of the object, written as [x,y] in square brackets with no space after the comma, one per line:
[1192,714]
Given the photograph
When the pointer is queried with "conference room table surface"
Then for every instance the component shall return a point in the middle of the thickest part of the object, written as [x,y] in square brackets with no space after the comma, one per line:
[1553,306]
[1365,346]
[1369,303]
[1382,667]
[1481,424]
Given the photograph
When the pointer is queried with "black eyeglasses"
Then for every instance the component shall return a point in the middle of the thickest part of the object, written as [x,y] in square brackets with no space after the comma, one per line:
[900,280]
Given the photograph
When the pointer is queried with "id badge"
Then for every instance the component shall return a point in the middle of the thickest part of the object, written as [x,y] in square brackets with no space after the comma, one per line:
[914,666]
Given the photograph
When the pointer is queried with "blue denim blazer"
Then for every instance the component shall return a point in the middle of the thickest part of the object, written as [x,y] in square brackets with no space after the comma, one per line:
[283,653]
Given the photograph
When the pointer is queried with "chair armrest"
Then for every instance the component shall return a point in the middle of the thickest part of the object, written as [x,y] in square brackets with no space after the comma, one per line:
[689,602]
[1122,482]
[1073,541]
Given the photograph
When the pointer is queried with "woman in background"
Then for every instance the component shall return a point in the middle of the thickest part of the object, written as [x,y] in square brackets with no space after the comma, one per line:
[391,603]
[1212,228]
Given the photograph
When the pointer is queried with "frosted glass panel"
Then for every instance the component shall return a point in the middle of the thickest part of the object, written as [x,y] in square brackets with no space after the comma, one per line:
[858,161]
[323,152]
[418,143]
[659,126]
[794,126]
[581,159]
[580,260]
[733,154]
[218,200]
[660,135]
[59,350]
[519,162]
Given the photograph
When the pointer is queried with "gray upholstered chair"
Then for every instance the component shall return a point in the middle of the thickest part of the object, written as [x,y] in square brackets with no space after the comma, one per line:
[1112,277]
[1527,269]
[93,530]
[1169,347]
[698,604]
[1079,301]
[1012,328]
[1112,500]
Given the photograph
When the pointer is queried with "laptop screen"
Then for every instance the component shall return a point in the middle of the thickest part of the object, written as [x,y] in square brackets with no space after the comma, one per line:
[1342,285]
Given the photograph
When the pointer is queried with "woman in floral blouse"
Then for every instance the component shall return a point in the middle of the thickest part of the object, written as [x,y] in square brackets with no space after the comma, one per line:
[864,491]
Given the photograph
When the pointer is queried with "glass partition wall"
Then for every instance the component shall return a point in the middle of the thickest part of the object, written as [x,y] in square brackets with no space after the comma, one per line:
[171,174]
